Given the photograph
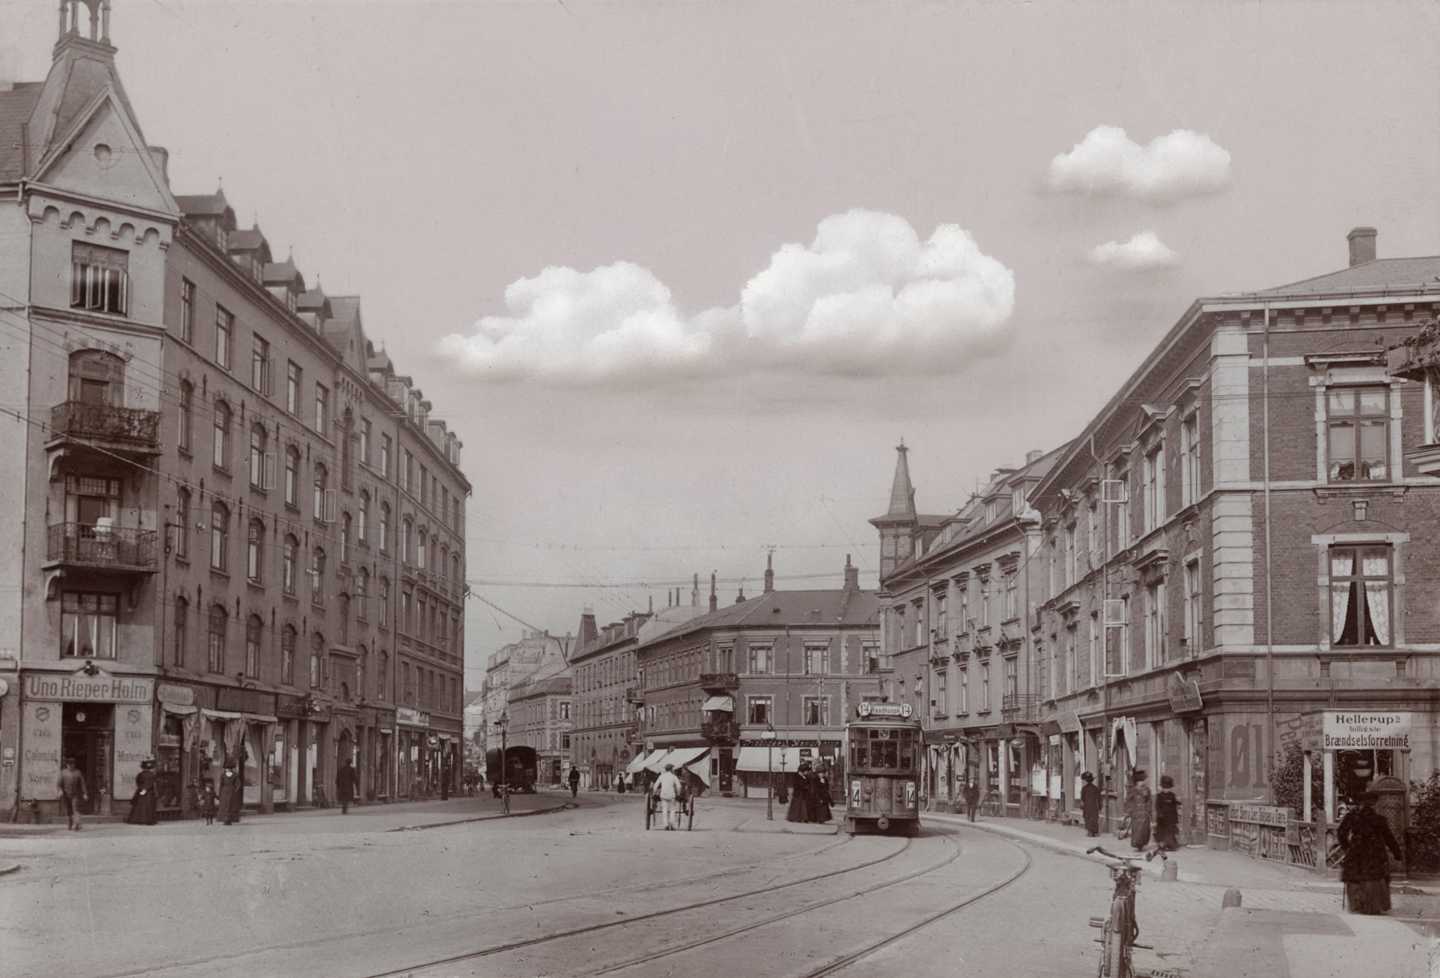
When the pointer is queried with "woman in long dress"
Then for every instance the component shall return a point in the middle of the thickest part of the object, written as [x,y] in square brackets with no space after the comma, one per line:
[799,810]
[231,791]
[1368,843]
[142,803]
[822,797]
[1167,815]
[1140,807]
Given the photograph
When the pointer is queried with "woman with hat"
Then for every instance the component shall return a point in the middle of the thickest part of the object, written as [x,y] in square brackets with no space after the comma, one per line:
[1089,805]
[1141,806]
[232,790]
[1365,836]
[142,803]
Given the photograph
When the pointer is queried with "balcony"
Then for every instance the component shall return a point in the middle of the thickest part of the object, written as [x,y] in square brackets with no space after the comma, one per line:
[1020,708]
[1418,358]
[984,641]
[720,731]
[719,682]
[102,548]
[123,429]
[632,695]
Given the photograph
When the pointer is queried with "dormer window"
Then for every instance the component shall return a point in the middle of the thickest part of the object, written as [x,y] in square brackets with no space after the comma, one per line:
[290,300]
[222,236]
[100,279]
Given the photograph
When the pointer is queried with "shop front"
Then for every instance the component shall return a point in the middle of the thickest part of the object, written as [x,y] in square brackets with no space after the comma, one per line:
[104,721]
[241,729]
[413,748]
[177,737]
[383,759]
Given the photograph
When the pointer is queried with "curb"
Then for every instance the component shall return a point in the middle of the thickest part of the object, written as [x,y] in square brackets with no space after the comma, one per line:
[1036,840]
[483,818]
[7,868]
[781,830]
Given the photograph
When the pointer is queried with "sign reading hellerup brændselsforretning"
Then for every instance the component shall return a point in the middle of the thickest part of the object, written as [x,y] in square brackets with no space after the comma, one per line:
[1350,730]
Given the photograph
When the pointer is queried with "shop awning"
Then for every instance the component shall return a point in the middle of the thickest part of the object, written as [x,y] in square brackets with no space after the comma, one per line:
[758,760]
[726,704]
[179,711]
[231,715]
[649,763]
[636,764]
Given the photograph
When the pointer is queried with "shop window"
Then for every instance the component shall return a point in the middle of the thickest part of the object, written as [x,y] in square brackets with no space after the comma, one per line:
[88,624]
[757,709]
[1361,596]
[1358,429]
[215,646]
[99,279]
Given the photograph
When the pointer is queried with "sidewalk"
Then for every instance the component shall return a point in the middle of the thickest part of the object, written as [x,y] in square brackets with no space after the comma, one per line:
[1290,923]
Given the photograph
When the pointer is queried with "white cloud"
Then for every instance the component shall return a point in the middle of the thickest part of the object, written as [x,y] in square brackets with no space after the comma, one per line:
[865,297]
[1142,252]
[1172,167]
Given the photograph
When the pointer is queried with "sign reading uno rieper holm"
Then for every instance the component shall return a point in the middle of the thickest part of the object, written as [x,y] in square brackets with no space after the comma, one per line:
[1345,730]
[88,689]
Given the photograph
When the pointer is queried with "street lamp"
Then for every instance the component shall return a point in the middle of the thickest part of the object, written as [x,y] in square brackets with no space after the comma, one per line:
[504,724]
[768,735]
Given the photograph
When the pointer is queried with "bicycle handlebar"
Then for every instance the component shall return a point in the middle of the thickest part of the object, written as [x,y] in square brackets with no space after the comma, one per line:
[1128,863]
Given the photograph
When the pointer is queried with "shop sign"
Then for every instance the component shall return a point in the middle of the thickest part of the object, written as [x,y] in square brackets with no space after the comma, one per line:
[292,707]
[1184,694]
[1347,730]
[79,688]
[244,701]
[1069,721]
[132,745]
[175,695]
[40,735]
[1260,814]
[411,717]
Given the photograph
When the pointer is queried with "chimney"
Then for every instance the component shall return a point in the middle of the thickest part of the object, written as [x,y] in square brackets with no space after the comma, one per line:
[769,572]
[1362,245]
[713,598]
[740,595]
[852,575]
[588,631]
[1034,455]
[695,592]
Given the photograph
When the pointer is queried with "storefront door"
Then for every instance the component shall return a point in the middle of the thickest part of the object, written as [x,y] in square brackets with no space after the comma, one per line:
[87,736]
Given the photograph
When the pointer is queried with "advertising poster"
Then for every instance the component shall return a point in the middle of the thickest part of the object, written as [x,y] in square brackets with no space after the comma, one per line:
[40,741]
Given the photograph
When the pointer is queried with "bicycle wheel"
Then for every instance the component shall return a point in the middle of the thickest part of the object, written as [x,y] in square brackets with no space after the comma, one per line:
[1117,949]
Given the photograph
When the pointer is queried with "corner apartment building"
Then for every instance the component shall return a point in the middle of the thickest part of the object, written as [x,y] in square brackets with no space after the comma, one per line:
[540,717]
[783,669]
[538,653]
[953,625]
[238,531]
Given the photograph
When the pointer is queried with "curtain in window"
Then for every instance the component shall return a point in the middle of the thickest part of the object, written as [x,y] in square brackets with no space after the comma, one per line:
[1341,565]
[1377,597]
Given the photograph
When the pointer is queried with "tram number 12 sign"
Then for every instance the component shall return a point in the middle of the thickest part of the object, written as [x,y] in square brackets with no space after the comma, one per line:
[1347,730]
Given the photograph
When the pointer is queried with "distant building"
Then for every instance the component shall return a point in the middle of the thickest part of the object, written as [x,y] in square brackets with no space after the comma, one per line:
[538,653]
[540,717]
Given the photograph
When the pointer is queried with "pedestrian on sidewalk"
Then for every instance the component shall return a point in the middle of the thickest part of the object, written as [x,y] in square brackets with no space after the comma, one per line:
[822,797]
[142,802]
[1090,804]
[800,796]
[1139,805]
[231,792]
[209,802]
[1365,836]
[72,793]
[574,781]
[972,799]
[1167,815]
[668,789]
[346,782]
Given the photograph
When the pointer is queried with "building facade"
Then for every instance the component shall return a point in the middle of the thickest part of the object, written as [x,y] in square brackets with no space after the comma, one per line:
[261,552]
[953,626]
[537,654]
[541,717]
[784,669]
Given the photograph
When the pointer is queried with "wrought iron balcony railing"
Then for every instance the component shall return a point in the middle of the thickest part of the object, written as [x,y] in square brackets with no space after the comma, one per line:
[128,426]
[719,680]
[1020,707]
[113,548]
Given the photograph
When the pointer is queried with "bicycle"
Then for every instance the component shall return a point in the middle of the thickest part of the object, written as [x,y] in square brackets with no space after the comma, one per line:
[1119,929]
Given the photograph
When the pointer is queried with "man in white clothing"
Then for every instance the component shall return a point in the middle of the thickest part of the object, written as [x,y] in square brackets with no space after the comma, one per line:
[667,789]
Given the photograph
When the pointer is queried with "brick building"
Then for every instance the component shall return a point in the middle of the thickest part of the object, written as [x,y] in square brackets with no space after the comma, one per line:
[540,717]
[239,529]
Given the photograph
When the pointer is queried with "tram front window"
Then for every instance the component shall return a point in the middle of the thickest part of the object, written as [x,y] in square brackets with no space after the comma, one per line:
[859,755]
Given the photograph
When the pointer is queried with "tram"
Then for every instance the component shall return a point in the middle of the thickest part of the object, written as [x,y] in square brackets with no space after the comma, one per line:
[523,765]
[883,744]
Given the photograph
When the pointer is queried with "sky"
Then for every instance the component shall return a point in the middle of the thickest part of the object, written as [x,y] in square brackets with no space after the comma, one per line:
[683,274]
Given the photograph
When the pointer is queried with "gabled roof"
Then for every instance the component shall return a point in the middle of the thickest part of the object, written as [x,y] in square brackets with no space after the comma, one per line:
[248,239]
[836,606]
[16,106]
[313,300]
[1405,275]
[282,273]
[205,205]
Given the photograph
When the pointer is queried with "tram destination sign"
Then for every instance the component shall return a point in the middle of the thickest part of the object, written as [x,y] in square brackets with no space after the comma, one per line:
[868,710]
[1350,730]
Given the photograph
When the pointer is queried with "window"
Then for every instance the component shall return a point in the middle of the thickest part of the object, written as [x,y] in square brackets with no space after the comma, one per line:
[1154,625]
[187,310]
[564,711]
[941,626]
[1070,568]
[815,655]
[817,711]
[1190,460]
[290,553]
[317,576]
[384,527]
[1193,641]
[406,528]
[362,592]
[1094,657]
[1012,678]
[220,455]
[940,694]
[1153,487]
[421,550]
[385,455]
[187,416]
[875,660]
[346,528]
[260,365]
[362,526]
[255,551]
[99,279]
[294,376]
[182,518]
[757,709]
[382,673]
[963,706]
[384,602]
[88,625]
[253,628]
[365,441]
[219,536]
[317,653]
[1008,607]
[1361,590]
[215,646]
[322,482]
[224,337]
[258,441]
[287,655]
[1122,511]
[182,630]
[1358,420]
[985,687]
[759,660]
[322,408]
[985,600]
[407,618]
